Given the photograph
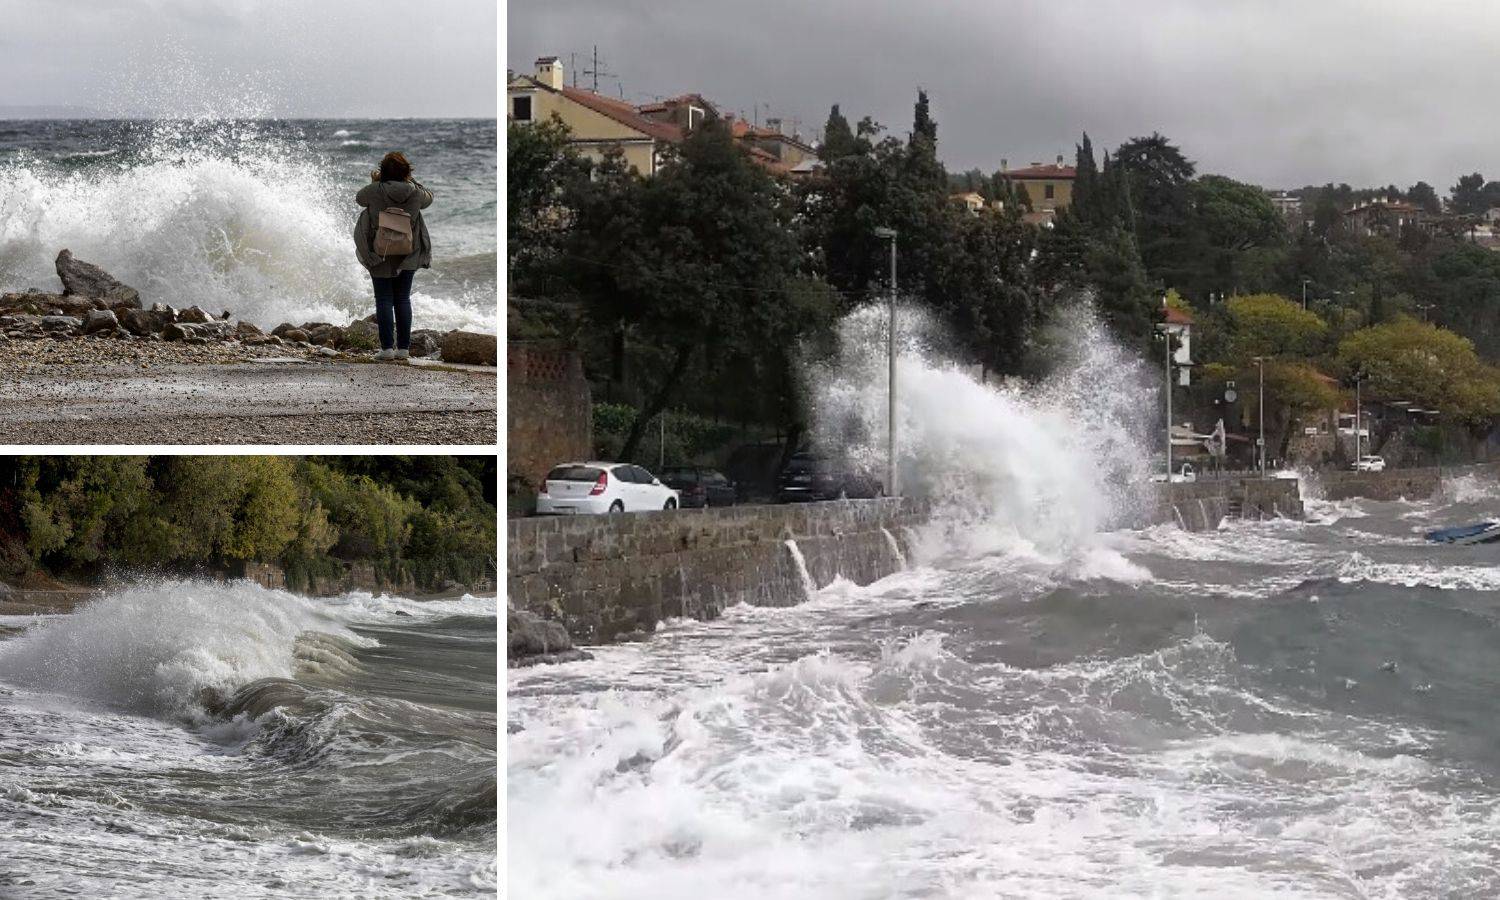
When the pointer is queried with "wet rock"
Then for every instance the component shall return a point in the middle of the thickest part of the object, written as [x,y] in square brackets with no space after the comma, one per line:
[470,348]
[324,335]
[327,351]
[144,321]
[425,342]
[530,639]
[283,328]
[294,335]
[194,315]
[61,323]
[97,320]
[196,332]
[248,331]
[88,280]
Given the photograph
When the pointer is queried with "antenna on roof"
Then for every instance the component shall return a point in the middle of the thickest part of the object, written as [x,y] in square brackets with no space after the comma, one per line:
[573,67]
[595,72]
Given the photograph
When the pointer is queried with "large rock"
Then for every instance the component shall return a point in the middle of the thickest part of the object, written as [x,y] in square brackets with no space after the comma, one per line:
[97,320]
[425,342]
[530,639]
[194,315]
[88,280]
[471,348]
[248,331]
[144,321]
[324,334]
[61,323]
[283,328]
[196,331]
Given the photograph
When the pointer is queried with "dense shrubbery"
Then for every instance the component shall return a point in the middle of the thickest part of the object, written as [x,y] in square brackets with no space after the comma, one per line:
[688,438]
[432,518]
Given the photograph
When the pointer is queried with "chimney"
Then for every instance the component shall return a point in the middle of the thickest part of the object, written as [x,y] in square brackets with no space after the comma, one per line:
[1059,159]
[1005,165]
[549,71]
[774,125]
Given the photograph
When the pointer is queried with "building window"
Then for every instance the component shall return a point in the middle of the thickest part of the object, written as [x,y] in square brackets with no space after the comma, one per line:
[1048,191]
[520,109]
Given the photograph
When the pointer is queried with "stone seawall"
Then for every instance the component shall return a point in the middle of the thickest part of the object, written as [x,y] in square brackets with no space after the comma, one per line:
[1396,484]
[1202,505]
[608,577]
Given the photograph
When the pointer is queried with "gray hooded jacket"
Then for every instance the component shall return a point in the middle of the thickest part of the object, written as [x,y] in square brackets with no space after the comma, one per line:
[379,195]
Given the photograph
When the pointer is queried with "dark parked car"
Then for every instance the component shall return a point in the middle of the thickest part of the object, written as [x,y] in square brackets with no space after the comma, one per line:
[699,486]
[811,477]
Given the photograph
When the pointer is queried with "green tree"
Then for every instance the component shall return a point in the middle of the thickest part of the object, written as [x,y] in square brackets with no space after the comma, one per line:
[838,138]
[1273,326]
[1427,365]
[699,253]
[1424,195]
[540,163]
[223,509]
[1467,196]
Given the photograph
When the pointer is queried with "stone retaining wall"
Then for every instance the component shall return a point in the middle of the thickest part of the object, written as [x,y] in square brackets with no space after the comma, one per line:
[1396,484]
[1202,505]
[607,577]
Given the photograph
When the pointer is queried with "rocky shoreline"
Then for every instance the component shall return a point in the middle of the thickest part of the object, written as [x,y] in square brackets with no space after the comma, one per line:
[97,319]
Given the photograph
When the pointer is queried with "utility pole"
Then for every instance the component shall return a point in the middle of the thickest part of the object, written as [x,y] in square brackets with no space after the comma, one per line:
[890,447]
[1304,293]
[1260,362]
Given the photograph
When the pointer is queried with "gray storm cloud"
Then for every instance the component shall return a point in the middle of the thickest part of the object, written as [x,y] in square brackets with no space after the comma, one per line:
[1278,93]
[266,57]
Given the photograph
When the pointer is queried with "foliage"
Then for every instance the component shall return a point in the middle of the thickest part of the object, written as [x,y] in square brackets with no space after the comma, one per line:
[701,252]
[433,517]
[1271,325]
[539,165]
[1426,365]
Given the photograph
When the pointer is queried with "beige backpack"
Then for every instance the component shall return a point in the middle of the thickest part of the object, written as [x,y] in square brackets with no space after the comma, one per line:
[393,232]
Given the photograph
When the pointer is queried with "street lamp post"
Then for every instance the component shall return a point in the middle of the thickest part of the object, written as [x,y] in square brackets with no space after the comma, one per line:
[890,447]
[1260,362]
[1167,389]
[1359,379]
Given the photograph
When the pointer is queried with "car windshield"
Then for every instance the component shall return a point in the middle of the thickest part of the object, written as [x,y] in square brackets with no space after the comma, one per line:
[574,473]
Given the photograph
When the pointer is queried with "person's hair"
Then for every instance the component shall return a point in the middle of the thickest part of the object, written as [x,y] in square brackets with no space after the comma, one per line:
[394,167]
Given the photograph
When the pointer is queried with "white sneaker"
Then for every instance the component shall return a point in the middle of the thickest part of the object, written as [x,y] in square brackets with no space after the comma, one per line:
[403,354]
[386,354]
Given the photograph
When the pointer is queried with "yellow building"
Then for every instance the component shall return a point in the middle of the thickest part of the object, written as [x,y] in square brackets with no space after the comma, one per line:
[597,123]
[1049,188]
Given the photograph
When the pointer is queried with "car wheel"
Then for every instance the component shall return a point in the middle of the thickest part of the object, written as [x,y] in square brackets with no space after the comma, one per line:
[671,504]
[617,507]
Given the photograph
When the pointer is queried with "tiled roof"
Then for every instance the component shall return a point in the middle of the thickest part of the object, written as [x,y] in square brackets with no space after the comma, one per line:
[623,113]
[1177,316]
[1047,171]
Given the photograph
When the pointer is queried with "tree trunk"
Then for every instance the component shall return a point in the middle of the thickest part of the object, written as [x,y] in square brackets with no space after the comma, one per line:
[657,403]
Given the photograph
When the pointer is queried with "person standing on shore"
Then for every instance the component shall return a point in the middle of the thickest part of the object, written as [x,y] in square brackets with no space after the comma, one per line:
[391,240]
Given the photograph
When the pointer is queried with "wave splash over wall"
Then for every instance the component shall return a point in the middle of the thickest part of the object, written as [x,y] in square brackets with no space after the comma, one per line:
[1035,468]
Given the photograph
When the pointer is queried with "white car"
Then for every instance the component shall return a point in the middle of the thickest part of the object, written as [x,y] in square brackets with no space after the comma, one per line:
[594,488]
[1370,464]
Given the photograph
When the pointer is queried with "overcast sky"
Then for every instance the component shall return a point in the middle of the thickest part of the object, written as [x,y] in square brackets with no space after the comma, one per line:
[1278,93]
[266,57]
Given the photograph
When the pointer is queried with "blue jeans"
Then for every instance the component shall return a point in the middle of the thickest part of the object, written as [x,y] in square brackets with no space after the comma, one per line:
[393,310]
